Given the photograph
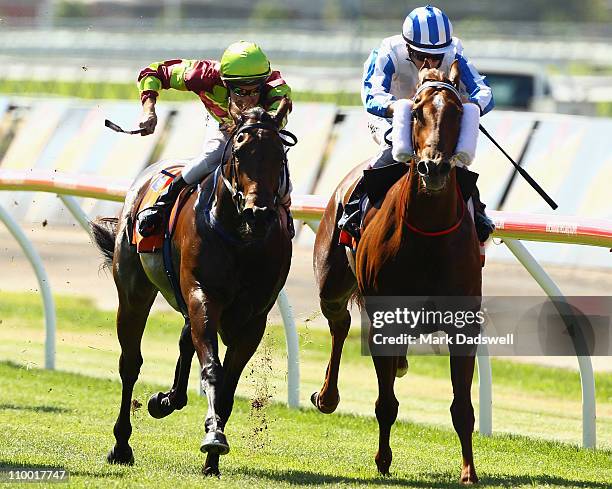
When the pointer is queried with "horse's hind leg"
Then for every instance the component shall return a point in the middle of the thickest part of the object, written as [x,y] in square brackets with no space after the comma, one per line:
[336,284]
[462,411]
[131,320]
[164,403]
[386,409]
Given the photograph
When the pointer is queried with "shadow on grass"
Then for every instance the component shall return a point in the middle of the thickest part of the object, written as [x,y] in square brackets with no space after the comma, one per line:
[36,409]
[431,480]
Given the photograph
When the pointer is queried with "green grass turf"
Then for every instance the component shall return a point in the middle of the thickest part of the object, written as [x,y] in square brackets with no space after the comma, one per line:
[129,91]
[531,400]
[57,419]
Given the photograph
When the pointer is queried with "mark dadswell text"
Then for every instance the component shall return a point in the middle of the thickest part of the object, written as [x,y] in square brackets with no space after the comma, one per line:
[432,339]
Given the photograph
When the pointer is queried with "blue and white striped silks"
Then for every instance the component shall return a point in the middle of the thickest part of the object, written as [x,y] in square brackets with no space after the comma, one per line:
[428,29]
[388,75]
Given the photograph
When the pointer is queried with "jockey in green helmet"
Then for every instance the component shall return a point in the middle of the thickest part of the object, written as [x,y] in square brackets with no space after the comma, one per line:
[243,77]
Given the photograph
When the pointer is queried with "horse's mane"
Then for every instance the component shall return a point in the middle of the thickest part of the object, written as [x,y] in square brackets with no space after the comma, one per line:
[388,223]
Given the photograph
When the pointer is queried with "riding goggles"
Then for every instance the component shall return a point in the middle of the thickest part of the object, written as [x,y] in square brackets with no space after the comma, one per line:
[419,56]
[245,92]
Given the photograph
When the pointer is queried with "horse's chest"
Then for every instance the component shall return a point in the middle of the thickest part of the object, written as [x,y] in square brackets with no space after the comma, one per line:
[444,269]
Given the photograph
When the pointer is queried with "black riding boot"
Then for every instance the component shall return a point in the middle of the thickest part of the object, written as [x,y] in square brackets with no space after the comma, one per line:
[290,226]
[484,225]
[350,221]
[152,220]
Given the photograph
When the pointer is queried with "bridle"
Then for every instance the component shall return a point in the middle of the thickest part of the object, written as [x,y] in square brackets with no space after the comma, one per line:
[426,84]
[231,181]
[445,86]
[437,84]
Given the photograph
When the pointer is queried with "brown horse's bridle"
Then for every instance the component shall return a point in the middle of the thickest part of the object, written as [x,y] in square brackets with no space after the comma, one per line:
[437,84]
[230,182]
[432,84]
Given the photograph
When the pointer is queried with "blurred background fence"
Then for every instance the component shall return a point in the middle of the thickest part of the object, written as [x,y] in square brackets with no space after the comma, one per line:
[95,49]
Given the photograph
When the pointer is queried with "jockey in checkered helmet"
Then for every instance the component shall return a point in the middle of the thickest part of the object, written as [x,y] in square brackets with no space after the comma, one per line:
[427,30]
[391,75]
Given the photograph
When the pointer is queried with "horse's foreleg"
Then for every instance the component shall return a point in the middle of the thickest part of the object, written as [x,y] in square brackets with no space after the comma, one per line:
[462,412]
[386,409]
[204,316]
[164,403]
[131,321]
[339,320]
[236,358]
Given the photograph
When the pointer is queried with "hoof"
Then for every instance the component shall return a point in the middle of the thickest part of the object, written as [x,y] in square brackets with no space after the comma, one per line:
[314,398]
[211,471]
[159,405]
[383,461]
[120,456]
[215,443]
[468,476]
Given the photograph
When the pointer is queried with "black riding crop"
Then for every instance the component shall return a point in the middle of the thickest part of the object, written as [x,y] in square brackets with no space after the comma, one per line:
[116,128]
[523,173]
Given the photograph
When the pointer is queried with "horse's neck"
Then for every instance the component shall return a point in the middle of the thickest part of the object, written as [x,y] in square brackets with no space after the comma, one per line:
[431,212]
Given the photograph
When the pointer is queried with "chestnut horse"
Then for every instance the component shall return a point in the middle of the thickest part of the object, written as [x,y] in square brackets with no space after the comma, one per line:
[232,254]
[420,242]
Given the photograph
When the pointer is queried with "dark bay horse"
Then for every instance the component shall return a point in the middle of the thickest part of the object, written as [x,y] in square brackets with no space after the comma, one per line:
[421,242]
[232,253]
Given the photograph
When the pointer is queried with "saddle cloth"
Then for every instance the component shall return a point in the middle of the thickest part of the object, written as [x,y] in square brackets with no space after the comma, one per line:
[157,187]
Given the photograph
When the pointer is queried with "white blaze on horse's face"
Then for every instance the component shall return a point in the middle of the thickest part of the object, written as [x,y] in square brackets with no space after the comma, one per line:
[436,132]
[438,101]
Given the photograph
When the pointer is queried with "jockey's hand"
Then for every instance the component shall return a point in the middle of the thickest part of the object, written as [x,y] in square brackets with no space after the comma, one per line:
[148,122]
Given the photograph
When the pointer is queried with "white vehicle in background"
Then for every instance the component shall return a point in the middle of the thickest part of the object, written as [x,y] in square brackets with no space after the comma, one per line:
[517,85]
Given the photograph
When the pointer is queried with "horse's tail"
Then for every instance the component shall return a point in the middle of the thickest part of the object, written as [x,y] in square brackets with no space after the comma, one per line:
[104,231]
[356,299]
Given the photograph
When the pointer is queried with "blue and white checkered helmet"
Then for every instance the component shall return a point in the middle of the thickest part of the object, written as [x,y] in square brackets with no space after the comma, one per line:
[428,30]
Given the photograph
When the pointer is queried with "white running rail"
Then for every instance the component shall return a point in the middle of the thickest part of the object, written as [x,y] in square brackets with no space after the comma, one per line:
[511,227]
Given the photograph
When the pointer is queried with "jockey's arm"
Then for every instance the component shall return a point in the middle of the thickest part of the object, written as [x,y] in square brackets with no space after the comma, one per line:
[156,77]
[277,88]
[476,89]
[378,71]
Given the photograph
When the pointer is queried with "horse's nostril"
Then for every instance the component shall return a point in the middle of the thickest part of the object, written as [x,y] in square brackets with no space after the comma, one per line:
[249,214]
[445,167]
[259,215]
[423,168]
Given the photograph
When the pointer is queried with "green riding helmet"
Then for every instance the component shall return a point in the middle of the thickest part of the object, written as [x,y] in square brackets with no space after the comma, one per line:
[243,63]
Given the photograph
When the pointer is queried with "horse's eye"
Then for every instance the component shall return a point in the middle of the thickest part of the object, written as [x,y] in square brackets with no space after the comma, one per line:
[417,114]
[241,138]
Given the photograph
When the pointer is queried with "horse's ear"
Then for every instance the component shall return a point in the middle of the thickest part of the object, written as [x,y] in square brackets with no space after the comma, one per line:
[455,74]
[426,65]
[234,112]
[283,109]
